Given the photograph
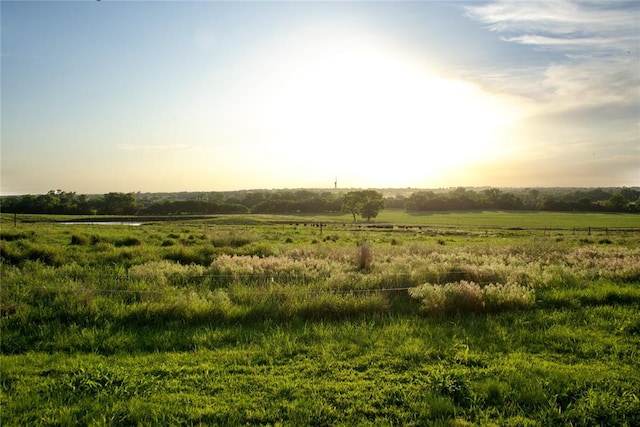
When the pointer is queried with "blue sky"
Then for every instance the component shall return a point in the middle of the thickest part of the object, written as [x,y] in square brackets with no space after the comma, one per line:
[211,96]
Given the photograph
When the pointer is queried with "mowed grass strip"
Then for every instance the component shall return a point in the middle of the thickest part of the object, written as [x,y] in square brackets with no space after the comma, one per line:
[522,219]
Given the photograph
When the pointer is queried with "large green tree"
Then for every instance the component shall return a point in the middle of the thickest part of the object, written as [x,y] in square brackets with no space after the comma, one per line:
[617,201]
[119,204]
[367,203]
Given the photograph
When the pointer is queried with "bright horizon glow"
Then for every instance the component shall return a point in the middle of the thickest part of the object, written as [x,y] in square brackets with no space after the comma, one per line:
[213,96]
[358,104]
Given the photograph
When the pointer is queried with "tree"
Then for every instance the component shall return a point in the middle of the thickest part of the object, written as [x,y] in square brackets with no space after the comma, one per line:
[119,204]
[422,201]
[618,202]
[367,203]
[461,199]
[372,208]
[491,197]
[350,204]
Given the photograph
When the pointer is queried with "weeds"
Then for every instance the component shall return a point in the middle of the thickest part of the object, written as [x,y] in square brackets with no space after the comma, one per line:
[470,297]
[167,324]
[128,241]
[79,240]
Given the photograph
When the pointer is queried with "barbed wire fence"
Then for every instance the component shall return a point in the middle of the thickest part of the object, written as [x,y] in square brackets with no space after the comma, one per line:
[258,281]
[254,282]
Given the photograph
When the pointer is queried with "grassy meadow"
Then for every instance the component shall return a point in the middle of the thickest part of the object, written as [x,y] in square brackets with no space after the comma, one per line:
[449,319]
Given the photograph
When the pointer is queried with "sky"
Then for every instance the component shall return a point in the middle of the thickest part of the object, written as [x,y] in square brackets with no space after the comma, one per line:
[164,96]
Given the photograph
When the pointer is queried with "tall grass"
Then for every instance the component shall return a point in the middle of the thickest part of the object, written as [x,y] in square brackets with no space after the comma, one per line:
[470,297]
[234,326]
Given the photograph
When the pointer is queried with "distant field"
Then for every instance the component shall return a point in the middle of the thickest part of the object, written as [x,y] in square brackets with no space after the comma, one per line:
[497,219]
[511,219]
[462,219]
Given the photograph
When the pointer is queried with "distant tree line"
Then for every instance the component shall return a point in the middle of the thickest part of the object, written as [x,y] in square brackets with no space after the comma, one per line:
[70,203]
[262,201]
[365,203]
[591,200]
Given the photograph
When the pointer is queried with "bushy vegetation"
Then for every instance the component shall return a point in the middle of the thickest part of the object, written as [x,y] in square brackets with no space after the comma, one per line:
[559,200]
[266,324]
[469,297]
[365,203]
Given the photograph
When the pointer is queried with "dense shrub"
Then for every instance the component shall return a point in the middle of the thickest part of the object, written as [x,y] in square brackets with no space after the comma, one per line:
[166,272]
[128,241]
[454,386]
[463,296]
[95,239]
[232,240]
[18,255]
[283,269]
[79,240]
[202,255]
[7,255]
[12,236]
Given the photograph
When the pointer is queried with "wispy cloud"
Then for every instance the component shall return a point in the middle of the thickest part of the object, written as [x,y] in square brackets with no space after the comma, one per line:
[580,71]
[594,48]
[158,147]
[605,26]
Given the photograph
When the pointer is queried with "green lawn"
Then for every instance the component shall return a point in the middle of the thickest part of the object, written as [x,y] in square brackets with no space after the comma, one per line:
[501,219]
[513,219]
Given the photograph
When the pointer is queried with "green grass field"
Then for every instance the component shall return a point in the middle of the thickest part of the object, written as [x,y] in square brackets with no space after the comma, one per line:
[537,219]
[496,219]
[271,320]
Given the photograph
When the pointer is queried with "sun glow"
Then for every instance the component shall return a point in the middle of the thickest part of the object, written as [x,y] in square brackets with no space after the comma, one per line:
[399,120]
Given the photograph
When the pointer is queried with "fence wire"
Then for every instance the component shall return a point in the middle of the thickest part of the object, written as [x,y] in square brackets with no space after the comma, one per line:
[233,279]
